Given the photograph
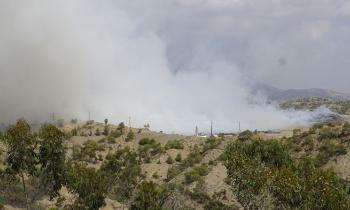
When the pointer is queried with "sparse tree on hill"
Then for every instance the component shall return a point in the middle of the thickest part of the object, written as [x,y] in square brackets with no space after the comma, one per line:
[106,121]
[52,158]
[121,128]
[21,158]
[130,136]
[89,184]
[149,196]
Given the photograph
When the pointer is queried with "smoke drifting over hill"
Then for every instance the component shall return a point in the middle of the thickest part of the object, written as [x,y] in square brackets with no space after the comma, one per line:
[173,63]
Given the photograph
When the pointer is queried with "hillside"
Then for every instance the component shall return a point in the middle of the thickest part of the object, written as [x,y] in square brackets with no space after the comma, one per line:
[185,172]
[276,94]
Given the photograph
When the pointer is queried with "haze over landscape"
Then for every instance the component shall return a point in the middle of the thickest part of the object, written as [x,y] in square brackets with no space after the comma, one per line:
[171,63]
[174,105]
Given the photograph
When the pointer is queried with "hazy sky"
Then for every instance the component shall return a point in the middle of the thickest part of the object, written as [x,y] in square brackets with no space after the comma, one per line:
[174,63]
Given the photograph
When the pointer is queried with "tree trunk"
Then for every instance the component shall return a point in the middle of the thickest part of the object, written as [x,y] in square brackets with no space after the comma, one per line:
[25,191]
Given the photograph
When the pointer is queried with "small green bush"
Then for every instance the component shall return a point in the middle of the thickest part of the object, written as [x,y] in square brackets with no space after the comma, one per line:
[174,144]
[169,160]
[173,172]
[178,157]
[245,135]
[191,176]
[130,136]
[145,141]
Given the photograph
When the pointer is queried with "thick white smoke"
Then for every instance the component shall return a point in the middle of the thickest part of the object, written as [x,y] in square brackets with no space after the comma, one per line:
[112,59]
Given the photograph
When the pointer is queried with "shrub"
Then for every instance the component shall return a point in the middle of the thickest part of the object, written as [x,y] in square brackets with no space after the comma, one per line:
[145,141]
[174,144]
[97,132]
[346,129]
[308,143]
[89,184]
[123,170]
[332,149]
[169,160]
[130,136]
[87,152]
[178,157]
[202,169]
[293,184]
[191,176]
[155,175]
[329,133]
[121,128]
[149,196]
[111,140]
[217,205]
[211,143]
[194,157]
[245,135]
[74,132]
[173,172]
[101,141]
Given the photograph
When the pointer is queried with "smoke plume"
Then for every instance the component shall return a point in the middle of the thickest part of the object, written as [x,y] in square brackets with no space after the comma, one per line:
[171,63]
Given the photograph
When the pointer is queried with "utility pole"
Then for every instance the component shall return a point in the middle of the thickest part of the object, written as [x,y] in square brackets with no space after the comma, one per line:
[239,126]
[129,122]
[196,131]
[211,128]
[89,115]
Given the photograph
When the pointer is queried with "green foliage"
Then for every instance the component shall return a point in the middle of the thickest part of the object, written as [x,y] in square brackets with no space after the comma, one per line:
[111,139]
[178,157]
[195,173]
[332,149]
[97,132]
[191,176]
[329,133]
[89,184]
[327,150]
[173,172]
[169,160]
[211,143]
[202,169]
[130,136]
[174,144]
[193,157]
[145,141]
[264,169]
[245,135]
[123,171]
[74,132]
[150,196]
[89,149]
[20,142]
[155,175]
[114,134]
[21,157]
[217,205]
[121,128]
[149,148]
[308,143]
[52,158]
[346,129]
